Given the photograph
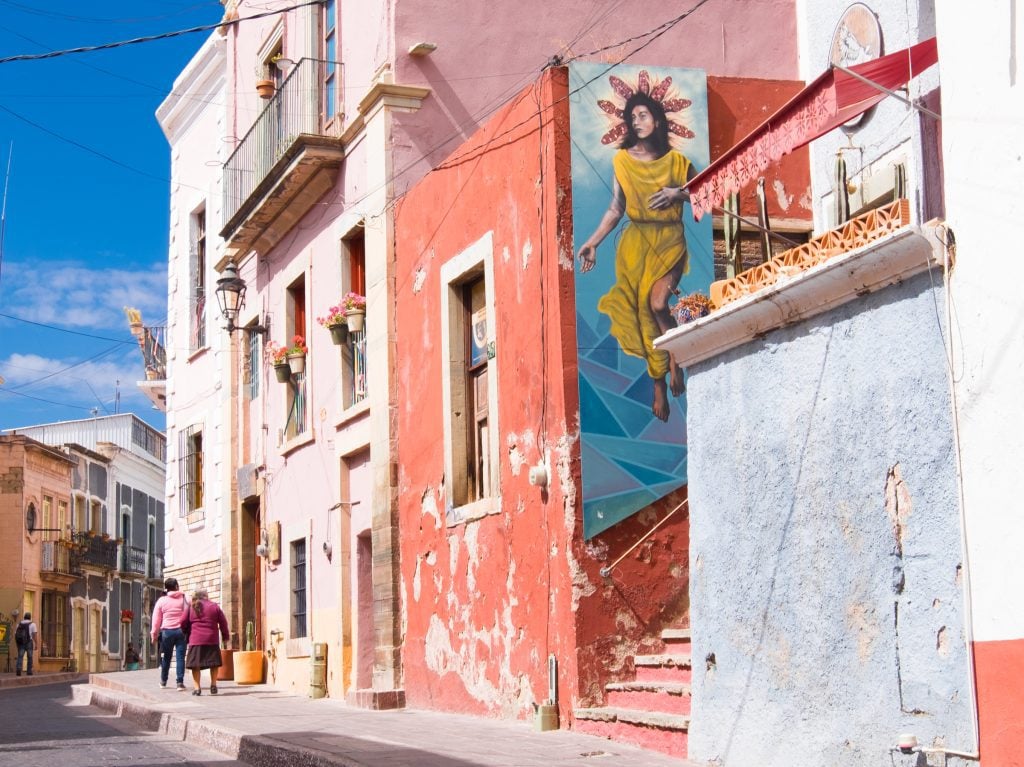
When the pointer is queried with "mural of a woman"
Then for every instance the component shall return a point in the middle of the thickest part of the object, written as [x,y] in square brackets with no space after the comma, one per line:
[651,256]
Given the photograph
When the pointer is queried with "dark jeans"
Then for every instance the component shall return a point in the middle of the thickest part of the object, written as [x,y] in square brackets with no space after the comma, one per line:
[24,650]
[172,640]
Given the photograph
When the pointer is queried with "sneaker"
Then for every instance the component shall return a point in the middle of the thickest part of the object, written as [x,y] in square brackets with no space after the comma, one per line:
[163,685]
[181,687]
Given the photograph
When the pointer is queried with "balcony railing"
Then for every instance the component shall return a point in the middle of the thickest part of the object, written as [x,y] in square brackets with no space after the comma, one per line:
[297,108]
[156,567]
[358,390]
[133,560]
[94,550]
[60,557]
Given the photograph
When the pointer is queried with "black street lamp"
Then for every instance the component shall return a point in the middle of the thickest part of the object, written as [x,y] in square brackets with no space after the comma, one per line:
[231,298]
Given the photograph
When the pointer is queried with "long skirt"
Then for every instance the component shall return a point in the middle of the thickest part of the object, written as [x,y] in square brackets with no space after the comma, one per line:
[202,656]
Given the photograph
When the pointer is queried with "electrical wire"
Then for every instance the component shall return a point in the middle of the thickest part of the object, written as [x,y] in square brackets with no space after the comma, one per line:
[151,38]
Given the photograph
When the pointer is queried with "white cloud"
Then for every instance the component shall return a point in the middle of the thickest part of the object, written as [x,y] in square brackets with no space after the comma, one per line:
[88,383]
[71,294]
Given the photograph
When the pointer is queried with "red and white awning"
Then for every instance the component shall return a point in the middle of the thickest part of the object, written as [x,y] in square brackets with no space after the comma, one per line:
[831,100]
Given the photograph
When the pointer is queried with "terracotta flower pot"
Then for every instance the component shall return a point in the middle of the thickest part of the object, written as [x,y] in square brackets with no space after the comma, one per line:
[265,89]
[355,319]
[248,666]
[283,372]
[226,672]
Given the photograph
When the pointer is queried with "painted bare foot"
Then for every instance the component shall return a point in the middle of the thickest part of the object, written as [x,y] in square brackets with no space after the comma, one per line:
[660,406]
[677,384]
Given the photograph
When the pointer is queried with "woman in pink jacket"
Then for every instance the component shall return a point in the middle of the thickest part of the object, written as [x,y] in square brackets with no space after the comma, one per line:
[201,623]
[166,628]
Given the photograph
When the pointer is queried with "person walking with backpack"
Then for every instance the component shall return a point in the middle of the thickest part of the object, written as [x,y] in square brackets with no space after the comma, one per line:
[166,627]
[25,639]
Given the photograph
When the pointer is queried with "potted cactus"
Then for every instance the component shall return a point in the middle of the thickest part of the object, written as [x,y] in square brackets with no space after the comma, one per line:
[248,663]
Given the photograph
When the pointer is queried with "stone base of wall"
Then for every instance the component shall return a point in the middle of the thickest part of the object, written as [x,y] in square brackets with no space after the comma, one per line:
[202,574]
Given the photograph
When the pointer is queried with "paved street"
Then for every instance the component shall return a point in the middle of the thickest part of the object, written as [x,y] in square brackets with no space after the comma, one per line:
[42,728]
[264,726]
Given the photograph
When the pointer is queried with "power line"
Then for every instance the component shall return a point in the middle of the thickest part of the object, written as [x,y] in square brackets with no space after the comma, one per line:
[65,330]
[151,38]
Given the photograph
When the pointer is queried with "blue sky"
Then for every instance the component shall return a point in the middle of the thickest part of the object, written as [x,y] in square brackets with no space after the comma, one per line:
[85,235]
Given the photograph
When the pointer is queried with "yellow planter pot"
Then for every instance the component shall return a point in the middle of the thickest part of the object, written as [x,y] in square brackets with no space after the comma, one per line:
[248,667]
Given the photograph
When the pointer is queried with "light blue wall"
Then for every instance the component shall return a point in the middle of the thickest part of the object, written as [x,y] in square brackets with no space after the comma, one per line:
[829,638]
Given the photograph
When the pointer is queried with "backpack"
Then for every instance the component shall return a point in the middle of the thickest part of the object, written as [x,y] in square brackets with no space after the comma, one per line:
[21,635]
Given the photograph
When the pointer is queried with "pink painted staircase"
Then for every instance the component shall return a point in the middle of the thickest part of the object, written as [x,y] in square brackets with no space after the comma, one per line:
[652,711]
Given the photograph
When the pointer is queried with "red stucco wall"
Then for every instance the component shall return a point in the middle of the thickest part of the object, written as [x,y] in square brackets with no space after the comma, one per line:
[487,601]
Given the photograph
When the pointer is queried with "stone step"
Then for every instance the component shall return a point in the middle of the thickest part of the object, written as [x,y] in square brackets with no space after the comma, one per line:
[664,697]
[667,667]
[666,733]
[675,636]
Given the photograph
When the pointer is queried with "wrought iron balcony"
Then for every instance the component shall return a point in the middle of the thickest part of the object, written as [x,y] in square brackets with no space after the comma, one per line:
[61,559]
[156,567]
[95,551]
[287,161]
[133,560]
[152,343]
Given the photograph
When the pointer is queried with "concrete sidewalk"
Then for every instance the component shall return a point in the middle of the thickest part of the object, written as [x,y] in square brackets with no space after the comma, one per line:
[262,726]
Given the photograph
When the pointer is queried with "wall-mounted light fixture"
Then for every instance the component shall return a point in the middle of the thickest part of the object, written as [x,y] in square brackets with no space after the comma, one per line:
[422,49]
[231,298]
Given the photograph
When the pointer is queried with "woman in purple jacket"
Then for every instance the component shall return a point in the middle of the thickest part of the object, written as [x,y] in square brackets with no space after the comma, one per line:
[201,624]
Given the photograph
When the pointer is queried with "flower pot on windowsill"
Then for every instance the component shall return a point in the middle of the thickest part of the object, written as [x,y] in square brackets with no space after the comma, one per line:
[265,89]
[339,333]
[283,371]
[297,363]
[355,319]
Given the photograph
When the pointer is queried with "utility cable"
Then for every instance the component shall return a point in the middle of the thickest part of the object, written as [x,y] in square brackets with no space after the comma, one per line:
[161,36]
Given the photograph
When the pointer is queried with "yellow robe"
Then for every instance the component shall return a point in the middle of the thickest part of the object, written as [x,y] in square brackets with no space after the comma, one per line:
[651,244]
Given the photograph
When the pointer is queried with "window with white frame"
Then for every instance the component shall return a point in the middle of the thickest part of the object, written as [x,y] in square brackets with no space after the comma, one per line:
[253,361]
[298,588]
[190,473]
[353,353]
[470,383]
[295,425]
[197,279]
[331,105]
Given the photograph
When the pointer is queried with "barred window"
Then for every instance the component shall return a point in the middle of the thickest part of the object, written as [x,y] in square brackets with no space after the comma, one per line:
[190,473]
[299,588]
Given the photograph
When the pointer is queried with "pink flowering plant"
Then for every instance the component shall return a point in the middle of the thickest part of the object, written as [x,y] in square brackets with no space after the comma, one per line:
[335,316]
[276,353]
[353,301]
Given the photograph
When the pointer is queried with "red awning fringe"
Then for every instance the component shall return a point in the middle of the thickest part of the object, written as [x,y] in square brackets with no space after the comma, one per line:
[832,99]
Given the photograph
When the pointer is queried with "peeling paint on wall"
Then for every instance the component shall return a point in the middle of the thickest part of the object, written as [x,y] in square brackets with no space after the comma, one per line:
[784,200]
[516,456]
[428,507]
[527,252]
[419,277]
[862,621]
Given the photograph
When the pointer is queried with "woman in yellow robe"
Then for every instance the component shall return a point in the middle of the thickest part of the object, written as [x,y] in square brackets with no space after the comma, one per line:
[651,258]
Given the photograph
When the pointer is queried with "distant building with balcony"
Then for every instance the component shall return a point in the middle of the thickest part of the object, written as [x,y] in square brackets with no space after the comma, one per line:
[101,539]
[41,562]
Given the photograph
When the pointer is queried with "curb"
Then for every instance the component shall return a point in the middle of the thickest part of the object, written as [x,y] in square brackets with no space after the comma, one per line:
[255,750]
[9,682]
